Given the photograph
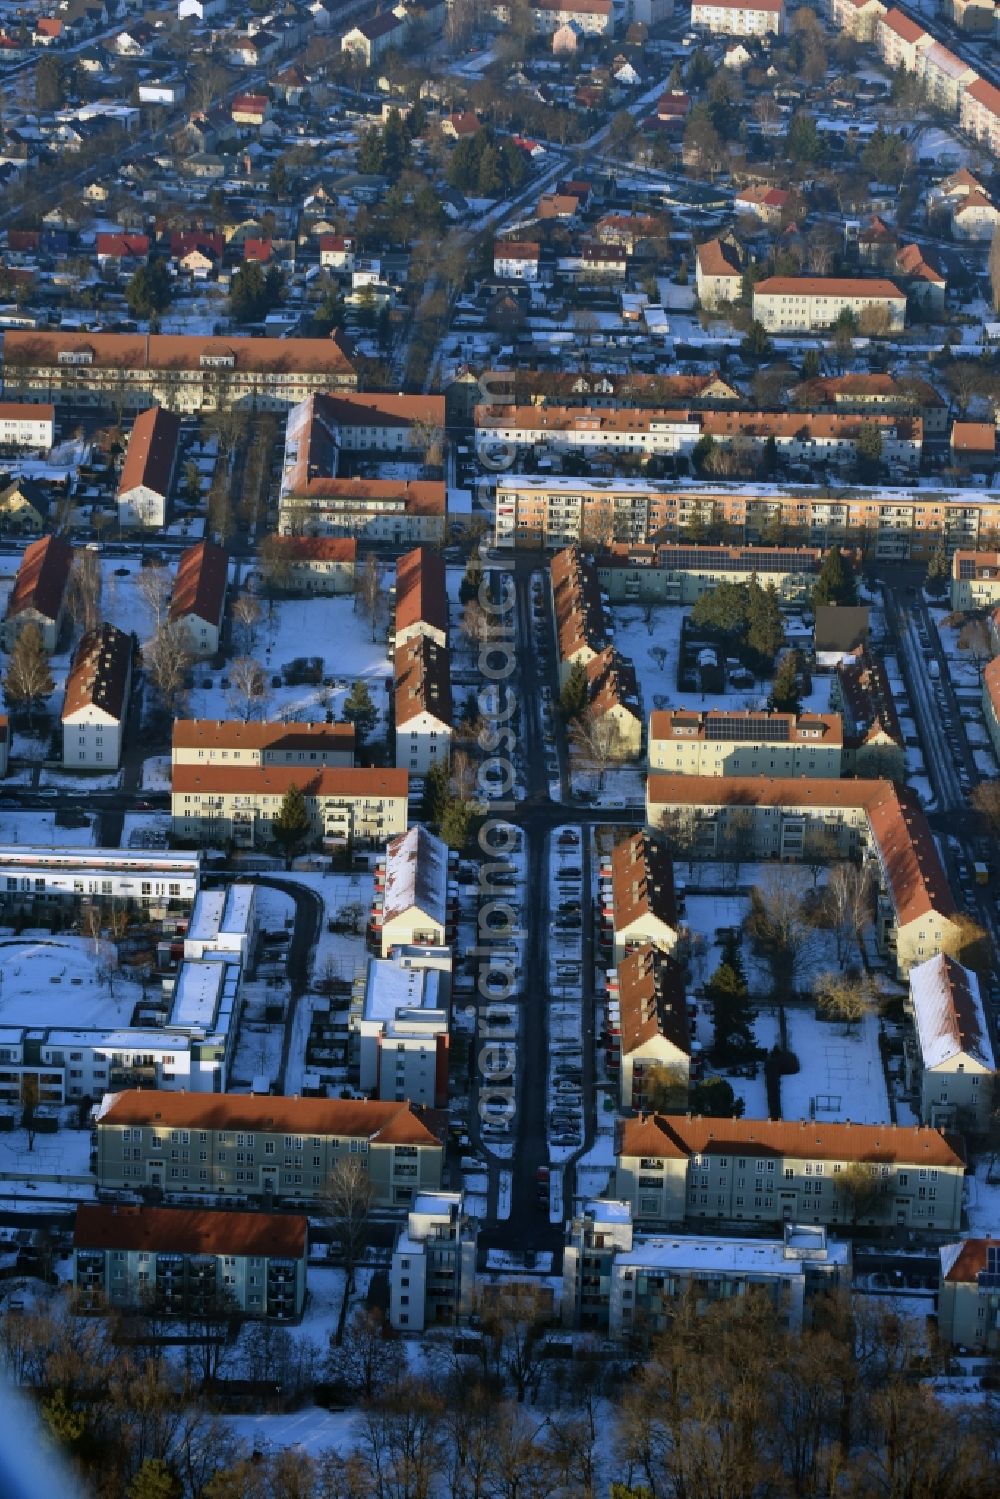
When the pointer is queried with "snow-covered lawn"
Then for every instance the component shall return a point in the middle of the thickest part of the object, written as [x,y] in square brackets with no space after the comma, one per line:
[66,1153]
[39,828]
[982,1199]
[840,1074]
[156,773]
[329,628]
[62,981]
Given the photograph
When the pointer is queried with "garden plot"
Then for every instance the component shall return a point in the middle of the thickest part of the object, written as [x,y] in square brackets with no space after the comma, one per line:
[752,1090]
[647,636]
[840,1074]
[330,629]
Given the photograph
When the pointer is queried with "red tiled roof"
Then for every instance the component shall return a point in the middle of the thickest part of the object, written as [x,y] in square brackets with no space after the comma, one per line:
[363,1119]
[274,780]
[200,585]
[422,671]
[41,578]
[219,734]
[421,592]
[100,673]
[827,286]
[28,349]
[676,1136]
[189,1230]
[152,450]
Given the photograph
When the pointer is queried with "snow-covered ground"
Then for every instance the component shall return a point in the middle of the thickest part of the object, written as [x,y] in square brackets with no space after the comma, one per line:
[642,642]
[330,628]
[63,981]
[840,1073]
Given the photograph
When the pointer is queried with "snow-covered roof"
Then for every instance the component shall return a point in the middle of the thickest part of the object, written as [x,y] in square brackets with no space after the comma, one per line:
[391,987]
[767,1256]
[949,1015]
[197,994]
[416,875]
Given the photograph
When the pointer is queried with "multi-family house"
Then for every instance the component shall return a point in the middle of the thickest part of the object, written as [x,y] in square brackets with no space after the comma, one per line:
[638,901]
[744,741]
[422,704]
[420,598]
[739,17]
[306,565]
[950,1064]
[718,273]
[878,821]
[40,591]
[432,1278]
[799,304]
[675,1169]
[198,600]
[873,737]
[283,1150]
[968,1302]
[182,1262]
[975,580]
[148,471]
[646,988]
[96,703]
[218,803]
[27,425]
[206,741]
[412,899]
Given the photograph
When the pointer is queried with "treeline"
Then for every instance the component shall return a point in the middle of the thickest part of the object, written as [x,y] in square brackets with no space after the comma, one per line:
[722,1403]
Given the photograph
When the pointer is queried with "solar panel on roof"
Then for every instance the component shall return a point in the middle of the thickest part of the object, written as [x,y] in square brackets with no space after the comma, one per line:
[750,727]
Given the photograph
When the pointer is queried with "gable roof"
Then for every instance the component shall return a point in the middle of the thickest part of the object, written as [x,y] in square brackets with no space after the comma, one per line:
[152,450]
[99,675]
[651,1000]
[225,734]
[416,876]
[189,1230]
[200,585]
[421,591]
[422,670]
[41,578]
[642,882]
[966,1261]
[948,1011]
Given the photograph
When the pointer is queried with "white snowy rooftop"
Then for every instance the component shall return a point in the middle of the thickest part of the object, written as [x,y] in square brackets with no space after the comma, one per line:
[949,1015]
[765,1256]
[416,875]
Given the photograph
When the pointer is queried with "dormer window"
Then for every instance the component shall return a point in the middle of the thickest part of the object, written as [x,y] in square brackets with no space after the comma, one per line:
[76,356]
[218,361]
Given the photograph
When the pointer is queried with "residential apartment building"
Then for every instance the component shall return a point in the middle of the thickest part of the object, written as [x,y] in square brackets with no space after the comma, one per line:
[312,746]
[799,304]
[359,422]
[979,113]
[900,40]
[399,1043]
[182,1262]
[886,524]
[975,580]
[740,17]
[875,820]
[218,803]
[870,395]
[745,742]
[874,746]
[39,593]
[422,704]
[198,600]
[950,1066]
[614,703]
[148,471]
[516,259]
[578,611]
[585,430]
[718,274]
[812,438]
[638,901]
[305,565]
[242,1146]
[32,879]
[858,18]
[647,1011]
[96,702]
[599,389]
[968,1303]
[675,1169]
[628,1285]
[675,574]
[991,701]
[420,598]
[27,425]
[398,512]
[590,17]
[944,76]
[432,1278]
[184,372]
[413,904]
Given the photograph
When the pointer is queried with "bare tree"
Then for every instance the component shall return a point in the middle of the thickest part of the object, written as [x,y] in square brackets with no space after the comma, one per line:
[514,1318]
[597,743]
[369,1358]
[368,591]
[348,1197]
[995,268]
[84,593]
[779,930]
[845,997]
[168,659]
[154,588]
[475,622]
[736,841]
[246,618]
[28,680]
[275,565]
[248,688]
[974,638]
[847,903]
[819,850]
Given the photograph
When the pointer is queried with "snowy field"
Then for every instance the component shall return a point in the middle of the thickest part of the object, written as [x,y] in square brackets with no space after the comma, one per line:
[39,829]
